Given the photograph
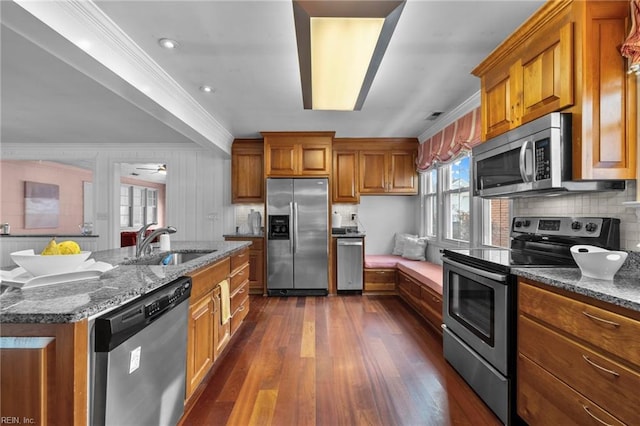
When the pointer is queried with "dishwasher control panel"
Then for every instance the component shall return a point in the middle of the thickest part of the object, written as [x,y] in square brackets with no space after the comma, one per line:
[114,327]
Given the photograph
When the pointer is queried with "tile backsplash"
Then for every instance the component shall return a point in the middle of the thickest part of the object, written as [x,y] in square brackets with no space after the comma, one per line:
[346,210]
[604,204]
[242,212]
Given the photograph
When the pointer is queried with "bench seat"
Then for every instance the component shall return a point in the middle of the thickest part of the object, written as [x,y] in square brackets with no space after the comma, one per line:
[419,283]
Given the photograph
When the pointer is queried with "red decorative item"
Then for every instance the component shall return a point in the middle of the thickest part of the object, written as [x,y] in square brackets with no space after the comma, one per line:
[631,47]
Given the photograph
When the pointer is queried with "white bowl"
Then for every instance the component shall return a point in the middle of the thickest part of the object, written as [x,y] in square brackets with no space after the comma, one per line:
[37,264]
[596,262]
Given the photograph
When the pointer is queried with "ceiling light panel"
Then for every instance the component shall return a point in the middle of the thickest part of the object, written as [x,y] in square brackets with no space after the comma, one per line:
[341,51]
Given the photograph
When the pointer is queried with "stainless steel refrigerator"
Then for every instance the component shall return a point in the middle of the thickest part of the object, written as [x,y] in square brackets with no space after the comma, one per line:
[297,236]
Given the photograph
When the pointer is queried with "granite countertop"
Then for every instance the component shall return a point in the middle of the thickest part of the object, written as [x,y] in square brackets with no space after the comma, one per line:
[74,301]
[349,235]
[238,235]
[623,290]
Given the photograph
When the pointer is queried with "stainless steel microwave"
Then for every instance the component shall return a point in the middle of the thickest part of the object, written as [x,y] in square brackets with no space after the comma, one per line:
[530,160]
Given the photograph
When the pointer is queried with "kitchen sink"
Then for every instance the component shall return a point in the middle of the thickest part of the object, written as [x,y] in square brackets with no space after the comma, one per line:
[170,258]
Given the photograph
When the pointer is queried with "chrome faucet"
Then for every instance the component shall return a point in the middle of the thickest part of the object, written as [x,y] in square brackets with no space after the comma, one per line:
[143,244]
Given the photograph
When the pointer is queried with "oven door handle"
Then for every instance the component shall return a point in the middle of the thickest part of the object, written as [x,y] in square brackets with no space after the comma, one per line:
[486,274]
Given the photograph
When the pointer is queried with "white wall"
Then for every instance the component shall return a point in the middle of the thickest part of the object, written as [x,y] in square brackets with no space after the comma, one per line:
[382,216]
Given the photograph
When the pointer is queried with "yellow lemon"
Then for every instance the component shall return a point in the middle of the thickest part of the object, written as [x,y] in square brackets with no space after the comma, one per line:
[51,248]
[69,247]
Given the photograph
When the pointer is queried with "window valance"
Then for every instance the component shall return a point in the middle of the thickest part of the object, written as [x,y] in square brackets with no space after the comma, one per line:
[462,134]
[631,47]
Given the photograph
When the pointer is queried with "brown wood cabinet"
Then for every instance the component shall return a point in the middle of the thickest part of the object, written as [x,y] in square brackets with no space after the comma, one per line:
[374,166]
[566,58]
[239,289]
[256,263]
[247,178]
[203,337]
[62,367]
[345,176]
[297,153]
[388,172]
[578,362]
[380,280]
[424,300]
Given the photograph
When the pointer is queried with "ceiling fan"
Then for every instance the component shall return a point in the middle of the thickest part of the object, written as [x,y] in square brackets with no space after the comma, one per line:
[161,168]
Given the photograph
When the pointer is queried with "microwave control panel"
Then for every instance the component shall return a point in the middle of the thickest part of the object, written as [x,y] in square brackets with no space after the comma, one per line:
[543,159]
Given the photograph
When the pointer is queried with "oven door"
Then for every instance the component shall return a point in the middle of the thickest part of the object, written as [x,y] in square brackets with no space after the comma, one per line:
[476,309]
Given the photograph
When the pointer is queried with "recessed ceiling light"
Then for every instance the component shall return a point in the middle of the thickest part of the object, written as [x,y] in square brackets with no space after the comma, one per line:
[167,43]
[207,89]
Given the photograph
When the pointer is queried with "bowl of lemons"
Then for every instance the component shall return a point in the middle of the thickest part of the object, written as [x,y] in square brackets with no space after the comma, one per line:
[56,258]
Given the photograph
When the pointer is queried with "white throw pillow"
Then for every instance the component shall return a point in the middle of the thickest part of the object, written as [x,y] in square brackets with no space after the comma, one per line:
[400,239]
[415,249]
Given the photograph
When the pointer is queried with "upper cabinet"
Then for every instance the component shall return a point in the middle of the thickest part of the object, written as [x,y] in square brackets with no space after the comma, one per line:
[345,176]
[247,158]
[297,153]
[566,58]
[380,166]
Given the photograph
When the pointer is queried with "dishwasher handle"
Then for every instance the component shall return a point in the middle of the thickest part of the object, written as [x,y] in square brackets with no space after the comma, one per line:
[349,243]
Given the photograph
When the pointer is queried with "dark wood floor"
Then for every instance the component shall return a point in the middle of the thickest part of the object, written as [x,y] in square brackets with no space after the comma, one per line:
[344,360]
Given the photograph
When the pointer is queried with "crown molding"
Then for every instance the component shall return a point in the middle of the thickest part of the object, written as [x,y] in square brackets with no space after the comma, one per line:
[80,21]
[443,121]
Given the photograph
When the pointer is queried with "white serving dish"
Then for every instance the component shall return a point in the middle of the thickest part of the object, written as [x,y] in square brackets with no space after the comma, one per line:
[37,264]
[20,278]
[596,262]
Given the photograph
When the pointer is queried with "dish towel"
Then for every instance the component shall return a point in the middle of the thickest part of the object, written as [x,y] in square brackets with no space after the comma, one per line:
[224,301]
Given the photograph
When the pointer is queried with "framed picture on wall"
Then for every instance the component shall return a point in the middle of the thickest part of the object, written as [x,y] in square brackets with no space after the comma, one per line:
[41,205]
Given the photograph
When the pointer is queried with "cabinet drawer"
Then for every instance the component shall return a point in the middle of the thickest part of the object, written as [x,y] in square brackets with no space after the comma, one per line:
[432,300]
[545,400]
[239,315]
[238,297]
[206,279]
[380,276]
[238,278]
[609,331]
[602,380]
[239,259]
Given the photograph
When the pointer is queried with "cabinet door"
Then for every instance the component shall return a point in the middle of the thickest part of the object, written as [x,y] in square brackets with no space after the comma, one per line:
[246,174]
[497,105]
[256,272]
[606,149]
[315,159]
[546,71]
[281,159]
[345,177]
[373,172]
[200,348]
[403,178]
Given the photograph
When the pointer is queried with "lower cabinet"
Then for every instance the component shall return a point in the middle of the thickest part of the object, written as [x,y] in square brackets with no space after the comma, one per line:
[424,300]
[208,336]
[578,363]
[256,263]
[380,280]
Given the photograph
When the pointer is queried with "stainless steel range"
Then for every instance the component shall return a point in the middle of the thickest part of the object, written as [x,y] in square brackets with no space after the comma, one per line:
[479,295]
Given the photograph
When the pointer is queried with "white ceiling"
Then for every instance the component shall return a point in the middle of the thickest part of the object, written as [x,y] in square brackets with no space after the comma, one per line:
[54,92]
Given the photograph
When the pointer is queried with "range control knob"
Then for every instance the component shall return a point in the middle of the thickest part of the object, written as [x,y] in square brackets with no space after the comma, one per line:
[591,227]
[517,224]
[576,225]
[526,223]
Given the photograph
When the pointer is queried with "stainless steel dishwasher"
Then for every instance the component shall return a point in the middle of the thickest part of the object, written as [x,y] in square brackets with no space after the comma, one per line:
[140,359]
[350,264]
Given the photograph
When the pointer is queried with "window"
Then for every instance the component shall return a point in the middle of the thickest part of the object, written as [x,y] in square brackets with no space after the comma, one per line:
[457,199]
[496,226]
[138,206]
[430,202]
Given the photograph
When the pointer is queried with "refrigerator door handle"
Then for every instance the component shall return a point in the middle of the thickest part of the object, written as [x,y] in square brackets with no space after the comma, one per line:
[291,233]
[295,228]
